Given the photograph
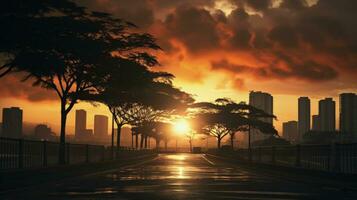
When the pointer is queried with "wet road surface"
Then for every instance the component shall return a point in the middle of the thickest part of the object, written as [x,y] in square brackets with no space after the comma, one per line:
[182,176]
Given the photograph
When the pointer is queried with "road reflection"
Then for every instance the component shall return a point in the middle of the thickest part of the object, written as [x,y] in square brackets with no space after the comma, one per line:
[183,176]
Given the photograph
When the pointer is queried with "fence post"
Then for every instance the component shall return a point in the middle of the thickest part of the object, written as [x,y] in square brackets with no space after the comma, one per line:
[298,156]
[337,157]
[87,153]
[68,153]
[21,153]
[44,153]
[273,154]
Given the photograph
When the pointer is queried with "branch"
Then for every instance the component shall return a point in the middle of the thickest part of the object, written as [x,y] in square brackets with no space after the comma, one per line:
[8,70]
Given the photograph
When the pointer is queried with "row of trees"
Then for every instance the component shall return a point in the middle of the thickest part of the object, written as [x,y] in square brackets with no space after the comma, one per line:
[92,56]
[224,117]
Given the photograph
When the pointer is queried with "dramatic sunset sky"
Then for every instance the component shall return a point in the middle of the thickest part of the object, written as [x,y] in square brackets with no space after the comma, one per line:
[225,48]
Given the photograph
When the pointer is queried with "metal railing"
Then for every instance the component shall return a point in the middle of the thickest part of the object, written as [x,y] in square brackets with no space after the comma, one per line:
[19,153]
[339,158]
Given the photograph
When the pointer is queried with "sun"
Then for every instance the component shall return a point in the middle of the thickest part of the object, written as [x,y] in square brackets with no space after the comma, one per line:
[181,126]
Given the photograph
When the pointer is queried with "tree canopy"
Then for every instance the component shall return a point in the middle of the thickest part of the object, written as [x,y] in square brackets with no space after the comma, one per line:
[225,116]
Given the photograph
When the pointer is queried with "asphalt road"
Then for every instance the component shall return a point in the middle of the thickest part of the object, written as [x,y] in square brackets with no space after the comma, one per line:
[182,176]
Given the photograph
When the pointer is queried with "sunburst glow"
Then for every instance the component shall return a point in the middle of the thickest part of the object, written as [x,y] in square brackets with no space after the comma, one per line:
[181,126]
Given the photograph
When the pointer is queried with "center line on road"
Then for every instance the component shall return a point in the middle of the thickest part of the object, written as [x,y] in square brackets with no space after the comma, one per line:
[210,162]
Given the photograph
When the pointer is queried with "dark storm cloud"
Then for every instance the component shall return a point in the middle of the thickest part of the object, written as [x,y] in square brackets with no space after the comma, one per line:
[11,86]
[259,4]
[307,70]
[294,4]
[195,27]
[284,35]
[138,12]
[297,39]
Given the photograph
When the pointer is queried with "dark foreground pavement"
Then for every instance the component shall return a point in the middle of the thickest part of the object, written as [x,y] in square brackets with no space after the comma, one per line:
[182,176]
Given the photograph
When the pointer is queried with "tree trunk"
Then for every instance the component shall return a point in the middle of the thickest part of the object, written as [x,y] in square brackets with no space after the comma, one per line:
[146,142]
[232,138]
[112,149]
[190,145]
[249,147]
[62,146]
[132,139]
[165,144]
[157,144]
[219,142]
[118,138]
[141,141]
[249,137]
[136,140]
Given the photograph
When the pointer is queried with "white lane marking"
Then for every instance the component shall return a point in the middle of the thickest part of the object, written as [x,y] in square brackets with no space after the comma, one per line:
[210,162]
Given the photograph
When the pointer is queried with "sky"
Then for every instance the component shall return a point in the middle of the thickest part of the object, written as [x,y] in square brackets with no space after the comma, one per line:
[226,48]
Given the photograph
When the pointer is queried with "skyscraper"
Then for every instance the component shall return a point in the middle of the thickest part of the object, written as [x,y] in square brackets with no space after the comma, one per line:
[290,131]
[316,123]
[100,126]
[348,113]
[12,122]
[81,122]
[327,114]
[303,116]
[263,101]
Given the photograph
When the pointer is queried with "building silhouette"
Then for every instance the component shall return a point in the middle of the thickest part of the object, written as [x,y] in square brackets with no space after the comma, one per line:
[290,131]
[100,126]
[81,131]
[303,117]
[316,123]
[348,113]
[44,132]
[81,122]
[327,114]
[263,101]
[12,122]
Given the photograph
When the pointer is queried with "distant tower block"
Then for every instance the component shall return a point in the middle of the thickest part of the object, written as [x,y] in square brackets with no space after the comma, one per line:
[348,113]
[263,101]
[327,114]
[290,131]
[100,126]
[12,122]
[80,123]
[304,116]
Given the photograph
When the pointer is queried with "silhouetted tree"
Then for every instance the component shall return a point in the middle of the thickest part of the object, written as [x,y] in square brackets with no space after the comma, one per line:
[224,117]
[31,25]
[72,56]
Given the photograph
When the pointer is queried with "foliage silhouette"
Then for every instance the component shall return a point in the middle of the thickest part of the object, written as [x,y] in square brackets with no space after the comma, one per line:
[226,117]
[135,95]
[75,52]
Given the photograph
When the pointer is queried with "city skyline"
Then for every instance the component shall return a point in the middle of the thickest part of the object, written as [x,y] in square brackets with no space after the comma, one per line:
[213,66]
[280,105]
[178,99]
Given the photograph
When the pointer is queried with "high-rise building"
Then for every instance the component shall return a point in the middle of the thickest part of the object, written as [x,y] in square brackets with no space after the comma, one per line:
[263,101]
[348,113]
[12,122]
[100,126]
[290,131]
[327,114]
[316,123]
[303,116]
[81,122]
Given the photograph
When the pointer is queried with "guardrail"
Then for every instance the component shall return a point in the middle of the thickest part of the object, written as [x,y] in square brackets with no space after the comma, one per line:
[339,158]
[19,153]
